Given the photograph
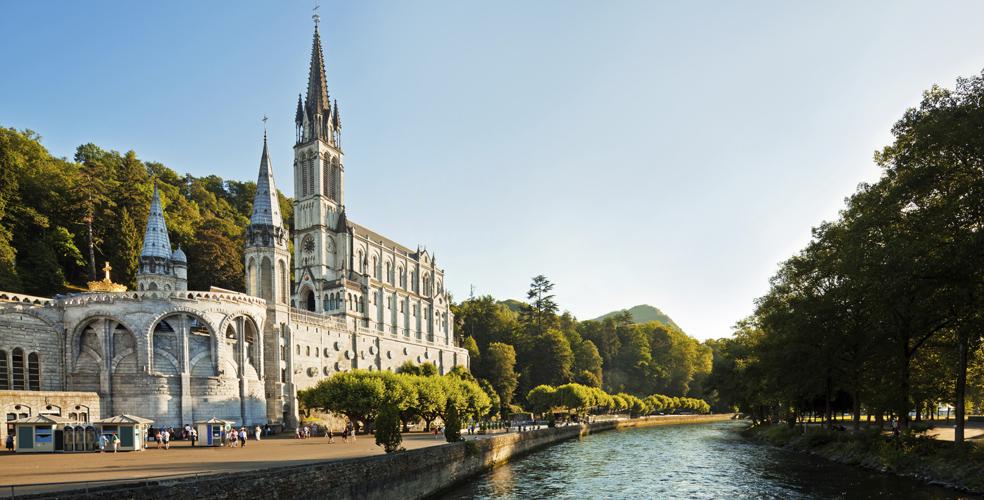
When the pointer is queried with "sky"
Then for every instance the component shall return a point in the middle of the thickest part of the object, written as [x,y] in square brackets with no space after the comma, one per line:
[651,152]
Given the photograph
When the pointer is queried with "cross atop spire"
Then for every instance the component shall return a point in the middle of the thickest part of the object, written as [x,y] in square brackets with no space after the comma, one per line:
[316,17]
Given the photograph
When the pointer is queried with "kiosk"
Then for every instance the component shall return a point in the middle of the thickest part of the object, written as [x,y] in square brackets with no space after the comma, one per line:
[129,428]
[212,431]
[40,434]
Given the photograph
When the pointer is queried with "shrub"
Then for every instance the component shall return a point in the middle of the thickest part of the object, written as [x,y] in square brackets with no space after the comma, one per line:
[452,423]
[388,428]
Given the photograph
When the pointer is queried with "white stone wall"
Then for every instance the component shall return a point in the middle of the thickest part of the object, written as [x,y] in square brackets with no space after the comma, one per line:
[180,357]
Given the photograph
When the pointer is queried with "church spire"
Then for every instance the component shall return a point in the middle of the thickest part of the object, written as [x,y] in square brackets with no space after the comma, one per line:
[317,90]
[266,205]
[156,242]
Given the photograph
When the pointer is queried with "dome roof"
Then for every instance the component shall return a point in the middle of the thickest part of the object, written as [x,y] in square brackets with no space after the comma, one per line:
[179,256]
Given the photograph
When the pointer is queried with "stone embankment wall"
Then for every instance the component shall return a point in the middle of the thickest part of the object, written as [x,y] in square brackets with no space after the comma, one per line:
[410,474]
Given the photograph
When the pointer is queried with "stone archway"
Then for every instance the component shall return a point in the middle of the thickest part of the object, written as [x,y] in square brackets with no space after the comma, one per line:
[182,347]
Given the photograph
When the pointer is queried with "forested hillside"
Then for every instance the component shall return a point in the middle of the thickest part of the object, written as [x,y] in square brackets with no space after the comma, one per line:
[61,219]
[518,346]
[643,313]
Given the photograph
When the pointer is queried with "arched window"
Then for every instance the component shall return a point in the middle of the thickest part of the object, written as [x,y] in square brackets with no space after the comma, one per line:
[363,303]
[33,372]
[328,302]
[362,263]
[304,177]
[310,301]
[336,179]
[403,277]
[375,270]
[389,272]
[307,351]
[17,367]
[326,180]
[298,349]
[350,301]
[4,372]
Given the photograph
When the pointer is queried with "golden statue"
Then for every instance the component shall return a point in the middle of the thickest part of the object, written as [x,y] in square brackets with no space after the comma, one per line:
[106,284]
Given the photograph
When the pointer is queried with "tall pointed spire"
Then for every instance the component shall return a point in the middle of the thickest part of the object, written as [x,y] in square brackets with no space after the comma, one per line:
[317,91]
[156,241]
[266,205]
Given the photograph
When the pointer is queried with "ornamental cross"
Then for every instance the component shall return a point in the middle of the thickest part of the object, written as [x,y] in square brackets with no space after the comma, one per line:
[107,268]
[264,120]
[316,17]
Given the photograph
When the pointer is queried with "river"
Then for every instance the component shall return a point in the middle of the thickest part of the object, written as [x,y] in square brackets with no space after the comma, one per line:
[684,461]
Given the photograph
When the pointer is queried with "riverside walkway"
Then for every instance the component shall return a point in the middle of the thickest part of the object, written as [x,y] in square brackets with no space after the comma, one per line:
[28,472]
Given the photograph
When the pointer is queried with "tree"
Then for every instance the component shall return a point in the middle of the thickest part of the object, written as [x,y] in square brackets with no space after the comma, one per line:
[387,428]
[541,311]
[452,423]
[587,359]
[356,394]
[432,398]
[541,399]
[500,370]
[550,360]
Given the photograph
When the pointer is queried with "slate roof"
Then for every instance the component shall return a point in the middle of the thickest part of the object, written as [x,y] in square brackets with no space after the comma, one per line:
[266,205]
[156,241]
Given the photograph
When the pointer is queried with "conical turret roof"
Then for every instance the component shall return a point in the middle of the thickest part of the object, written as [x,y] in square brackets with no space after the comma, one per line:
[156,241]
[266,205]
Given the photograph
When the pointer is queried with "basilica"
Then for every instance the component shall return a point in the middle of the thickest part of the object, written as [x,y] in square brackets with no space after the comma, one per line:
[357,300]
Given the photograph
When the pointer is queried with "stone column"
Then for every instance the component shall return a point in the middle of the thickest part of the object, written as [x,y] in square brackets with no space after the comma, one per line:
[187,402]
[241,358]
[106,370]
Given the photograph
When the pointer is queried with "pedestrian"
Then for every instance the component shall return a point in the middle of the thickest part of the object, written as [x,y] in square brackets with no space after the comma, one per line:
[297,432]
[242,436]
[157,438]
[103,442]
[233,438]
[10,442]
[330,435]
[257,432]
[193,435]
[267,430]
[166,436]
[116,443]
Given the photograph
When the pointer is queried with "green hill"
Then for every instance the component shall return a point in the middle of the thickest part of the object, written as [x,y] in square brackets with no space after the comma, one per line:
[645,313]
[513,304]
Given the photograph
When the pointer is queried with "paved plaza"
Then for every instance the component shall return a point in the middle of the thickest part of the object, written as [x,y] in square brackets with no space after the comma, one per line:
[182,459]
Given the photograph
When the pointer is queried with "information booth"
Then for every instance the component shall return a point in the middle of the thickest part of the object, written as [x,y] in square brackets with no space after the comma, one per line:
[131,430]
[211,431]
[40,434]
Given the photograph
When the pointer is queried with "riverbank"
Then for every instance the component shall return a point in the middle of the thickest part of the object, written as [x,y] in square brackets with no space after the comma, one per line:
[919,457]
[413,473]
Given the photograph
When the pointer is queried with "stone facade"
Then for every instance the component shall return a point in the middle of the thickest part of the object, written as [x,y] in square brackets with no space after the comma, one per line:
[358,301]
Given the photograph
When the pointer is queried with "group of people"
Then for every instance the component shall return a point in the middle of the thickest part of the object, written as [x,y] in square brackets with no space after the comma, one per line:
[306,431]
[230,436]
[105,441]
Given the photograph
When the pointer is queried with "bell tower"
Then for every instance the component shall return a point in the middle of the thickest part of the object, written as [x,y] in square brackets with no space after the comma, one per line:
[318,186]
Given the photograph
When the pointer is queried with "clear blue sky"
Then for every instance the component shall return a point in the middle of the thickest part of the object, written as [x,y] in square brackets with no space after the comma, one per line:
[669,154]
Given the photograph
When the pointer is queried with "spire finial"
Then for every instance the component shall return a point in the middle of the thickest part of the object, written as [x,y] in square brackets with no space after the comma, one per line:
[264,120]
[316,17]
